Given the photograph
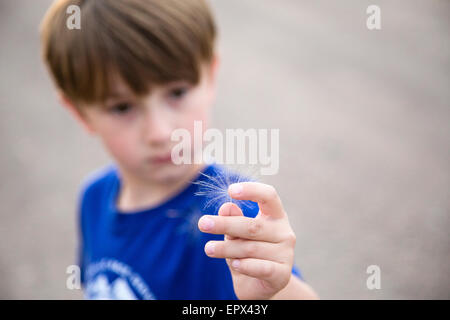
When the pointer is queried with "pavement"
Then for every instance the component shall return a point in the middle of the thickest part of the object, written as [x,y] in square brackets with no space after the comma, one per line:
[364,119]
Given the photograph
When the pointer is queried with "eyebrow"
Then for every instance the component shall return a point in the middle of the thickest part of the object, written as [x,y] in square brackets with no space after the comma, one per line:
[125,93]
[113,95]
[117,94]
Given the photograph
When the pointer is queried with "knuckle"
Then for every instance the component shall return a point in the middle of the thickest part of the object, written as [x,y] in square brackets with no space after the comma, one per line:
[254,228]
[291,238]
[266,270]
[272,192]
[250,249]
[269,195]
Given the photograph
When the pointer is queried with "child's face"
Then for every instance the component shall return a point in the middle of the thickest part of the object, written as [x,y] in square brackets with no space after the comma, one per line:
[137,131]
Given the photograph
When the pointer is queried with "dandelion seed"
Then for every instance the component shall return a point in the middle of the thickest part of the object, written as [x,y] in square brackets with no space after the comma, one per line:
[214,187]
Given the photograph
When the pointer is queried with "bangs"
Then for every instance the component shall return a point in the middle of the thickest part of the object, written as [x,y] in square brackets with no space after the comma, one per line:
[145,43]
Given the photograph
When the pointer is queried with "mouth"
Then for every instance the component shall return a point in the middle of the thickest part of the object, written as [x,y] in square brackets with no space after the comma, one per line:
[162,159]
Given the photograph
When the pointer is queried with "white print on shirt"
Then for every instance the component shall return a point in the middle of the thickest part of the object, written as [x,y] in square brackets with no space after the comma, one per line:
[125,284]
[101,289]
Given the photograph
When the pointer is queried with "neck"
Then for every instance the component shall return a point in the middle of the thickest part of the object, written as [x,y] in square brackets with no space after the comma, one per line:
[136,193]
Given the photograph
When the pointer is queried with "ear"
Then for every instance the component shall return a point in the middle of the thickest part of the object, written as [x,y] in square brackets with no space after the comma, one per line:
[76,113]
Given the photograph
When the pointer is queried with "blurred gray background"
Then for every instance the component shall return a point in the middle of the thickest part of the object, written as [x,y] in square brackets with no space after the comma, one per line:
[364,120]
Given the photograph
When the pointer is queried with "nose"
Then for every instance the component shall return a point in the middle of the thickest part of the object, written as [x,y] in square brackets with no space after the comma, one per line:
[157,127]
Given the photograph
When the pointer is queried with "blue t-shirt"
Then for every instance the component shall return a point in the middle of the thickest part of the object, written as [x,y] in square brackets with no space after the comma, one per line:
[157,253]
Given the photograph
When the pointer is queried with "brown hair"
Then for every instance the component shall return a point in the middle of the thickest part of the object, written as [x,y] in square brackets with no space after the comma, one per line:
[143,41]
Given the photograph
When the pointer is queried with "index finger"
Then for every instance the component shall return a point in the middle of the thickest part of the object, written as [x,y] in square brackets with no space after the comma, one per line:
[265,195]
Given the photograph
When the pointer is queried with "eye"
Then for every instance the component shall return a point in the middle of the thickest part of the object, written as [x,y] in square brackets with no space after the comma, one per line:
[178,92]
[121,108]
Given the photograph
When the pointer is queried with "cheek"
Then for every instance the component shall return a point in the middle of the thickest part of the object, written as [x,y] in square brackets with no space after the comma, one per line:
[198,110]
[120,145]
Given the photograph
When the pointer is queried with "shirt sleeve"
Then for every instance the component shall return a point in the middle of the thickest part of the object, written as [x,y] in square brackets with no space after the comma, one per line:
[80,250]
[296,272]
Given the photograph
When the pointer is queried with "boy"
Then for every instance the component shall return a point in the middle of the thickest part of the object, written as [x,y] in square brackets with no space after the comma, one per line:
[134,72]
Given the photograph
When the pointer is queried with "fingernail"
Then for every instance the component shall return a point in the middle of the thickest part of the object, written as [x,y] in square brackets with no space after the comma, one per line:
[236,189]
[209,248]
[235,264]
[206,223]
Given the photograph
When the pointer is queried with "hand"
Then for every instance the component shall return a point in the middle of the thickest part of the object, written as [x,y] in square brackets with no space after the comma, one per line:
[259,251]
